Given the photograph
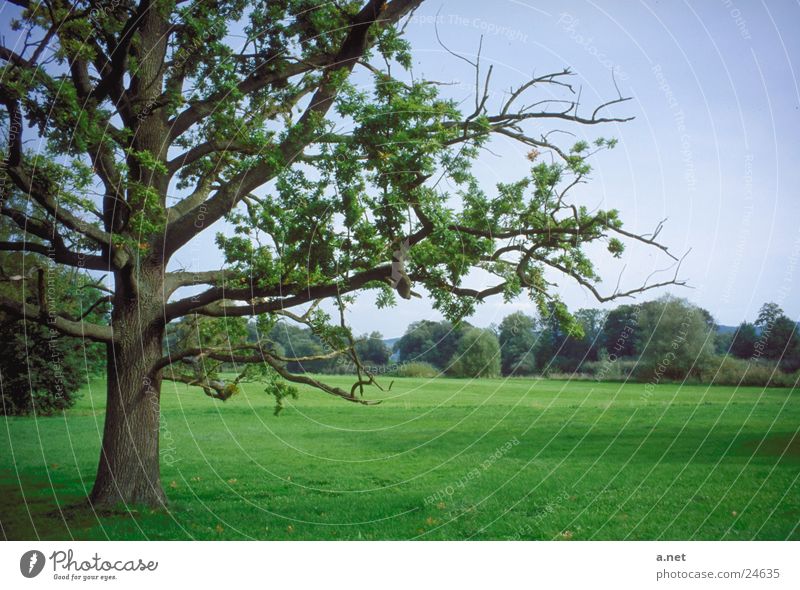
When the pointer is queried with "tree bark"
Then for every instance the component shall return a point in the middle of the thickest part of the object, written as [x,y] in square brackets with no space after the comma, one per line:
[129,470]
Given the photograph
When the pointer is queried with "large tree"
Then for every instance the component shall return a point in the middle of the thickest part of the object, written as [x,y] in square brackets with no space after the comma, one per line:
[155,120]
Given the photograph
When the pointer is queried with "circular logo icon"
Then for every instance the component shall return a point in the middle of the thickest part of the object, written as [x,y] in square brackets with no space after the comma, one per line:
[31,563]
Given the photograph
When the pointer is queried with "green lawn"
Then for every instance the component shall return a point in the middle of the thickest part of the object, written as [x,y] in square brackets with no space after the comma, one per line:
[442,459]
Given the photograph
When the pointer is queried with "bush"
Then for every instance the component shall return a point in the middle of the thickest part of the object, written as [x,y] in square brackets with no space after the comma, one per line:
[733,371]
[718,370]
[610,369]
[416,369]
[39,374]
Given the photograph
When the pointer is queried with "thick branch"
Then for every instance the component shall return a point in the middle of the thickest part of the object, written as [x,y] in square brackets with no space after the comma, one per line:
[57,249]
[41,194]
[182,278]
[207,303]
[255,82]
[199,352]
[67,326]
[61,256]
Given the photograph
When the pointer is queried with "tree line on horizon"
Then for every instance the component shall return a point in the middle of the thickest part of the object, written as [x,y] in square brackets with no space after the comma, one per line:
[664,339]
[668,339]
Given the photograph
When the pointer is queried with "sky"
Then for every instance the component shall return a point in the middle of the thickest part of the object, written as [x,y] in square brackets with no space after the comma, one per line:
[713,147]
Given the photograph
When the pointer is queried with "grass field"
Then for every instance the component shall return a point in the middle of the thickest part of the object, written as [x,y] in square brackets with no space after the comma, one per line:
[442,459]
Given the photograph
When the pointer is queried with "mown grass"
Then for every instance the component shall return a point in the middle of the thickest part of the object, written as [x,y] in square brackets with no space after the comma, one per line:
[440,459]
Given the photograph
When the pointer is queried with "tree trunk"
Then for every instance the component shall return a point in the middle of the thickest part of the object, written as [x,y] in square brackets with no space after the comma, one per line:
[129,470]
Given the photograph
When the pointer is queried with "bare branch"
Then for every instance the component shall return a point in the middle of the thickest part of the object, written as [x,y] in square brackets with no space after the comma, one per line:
[616,294]
[650,241]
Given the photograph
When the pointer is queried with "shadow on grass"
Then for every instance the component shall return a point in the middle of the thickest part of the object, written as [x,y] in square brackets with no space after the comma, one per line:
[32,509]
[783,445]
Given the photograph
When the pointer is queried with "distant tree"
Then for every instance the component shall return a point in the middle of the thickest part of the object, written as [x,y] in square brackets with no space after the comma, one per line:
[592,322]
[744,341]
[301,343]
[708,318]
[778,338]
[621,332]
[252,332]
[550,338]
[790,361]
[478,355]
[723,341]
[430,342]
[556,328]
[676,342]
[578,349]
[768,315]
[517,337]
[372,349]
[783,343]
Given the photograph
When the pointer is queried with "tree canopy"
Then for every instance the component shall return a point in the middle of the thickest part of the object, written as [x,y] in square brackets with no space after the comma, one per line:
[677,341]
[478,354]
[430,342]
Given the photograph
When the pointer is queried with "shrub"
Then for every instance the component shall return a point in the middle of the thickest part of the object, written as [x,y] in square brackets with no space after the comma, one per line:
[733,371]
[416,369]
[40,374]
[610,369]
